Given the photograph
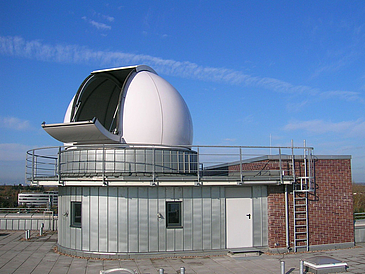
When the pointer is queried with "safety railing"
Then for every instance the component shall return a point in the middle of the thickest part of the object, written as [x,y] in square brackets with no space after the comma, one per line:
[359,216]
[133,162]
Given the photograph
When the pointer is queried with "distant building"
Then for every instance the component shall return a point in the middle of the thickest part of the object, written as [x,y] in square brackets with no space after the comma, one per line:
[38,199]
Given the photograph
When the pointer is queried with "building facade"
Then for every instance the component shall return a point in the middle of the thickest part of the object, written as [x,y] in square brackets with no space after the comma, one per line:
[131,182]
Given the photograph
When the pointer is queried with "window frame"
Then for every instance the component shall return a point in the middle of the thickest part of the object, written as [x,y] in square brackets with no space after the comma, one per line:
[170,224]
[75,205]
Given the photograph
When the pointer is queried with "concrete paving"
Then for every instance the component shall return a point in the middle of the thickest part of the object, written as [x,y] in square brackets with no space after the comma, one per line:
[37,255]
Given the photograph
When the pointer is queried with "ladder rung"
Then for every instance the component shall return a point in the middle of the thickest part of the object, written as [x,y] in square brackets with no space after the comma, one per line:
[300,232]
[300,219]
[300,226]
[300,240]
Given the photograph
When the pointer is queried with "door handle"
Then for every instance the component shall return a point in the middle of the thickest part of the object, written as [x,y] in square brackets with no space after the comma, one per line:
[249,216]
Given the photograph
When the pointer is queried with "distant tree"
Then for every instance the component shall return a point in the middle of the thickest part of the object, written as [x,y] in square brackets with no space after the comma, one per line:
[359,197]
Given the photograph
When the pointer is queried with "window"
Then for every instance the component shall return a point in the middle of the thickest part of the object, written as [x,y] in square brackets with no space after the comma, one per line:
[76,214]
[173,214]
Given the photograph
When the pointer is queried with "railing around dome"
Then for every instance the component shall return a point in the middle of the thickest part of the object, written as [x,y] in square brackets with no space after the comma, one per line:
[118,163]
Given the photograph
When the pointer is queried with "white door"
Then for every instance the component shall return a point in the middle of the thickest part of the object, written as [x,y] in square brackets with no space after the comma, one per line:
[239,217]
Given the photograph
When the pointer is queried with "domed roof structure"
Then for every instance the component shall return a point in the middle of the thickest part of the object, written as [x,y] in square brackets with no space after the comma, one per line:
[130,105]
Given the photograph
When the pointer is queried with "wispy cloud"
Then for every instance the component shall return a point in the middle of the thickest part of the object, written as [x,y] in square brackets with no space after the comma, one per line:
[99,25]
[14,123]
[36,49]
[108,18]
[348,128]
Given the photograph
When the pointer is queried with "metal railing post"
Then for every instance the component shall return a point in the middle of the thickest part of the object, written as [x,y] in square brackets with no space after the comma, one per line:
[33,165]
[198,164]
[301,267]
[241,166]
[282,267]
[59,165]
[153,165]
[280,167]
[103,165]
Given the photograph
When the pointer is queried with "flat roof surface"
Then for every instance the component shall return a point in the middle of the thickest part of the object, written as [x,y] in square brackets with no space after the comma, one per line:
[37,255]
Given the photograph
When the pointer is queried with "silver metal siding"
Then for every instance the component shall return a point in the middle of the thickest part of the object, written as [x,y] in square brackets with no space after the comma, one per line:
[85,220]
[103,218]
[94,220]
[143,221]
[153,219]
[207,218]
[259,215]
[217,218]
[188,218]
[112,219]
[133,227]
[197,219]
[162,221]
[123,231]
[125,219]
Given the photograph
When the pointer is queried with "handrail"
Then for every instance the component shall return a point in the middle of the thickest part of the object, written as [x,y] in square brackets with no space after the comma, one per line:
[196,162]
[359,216]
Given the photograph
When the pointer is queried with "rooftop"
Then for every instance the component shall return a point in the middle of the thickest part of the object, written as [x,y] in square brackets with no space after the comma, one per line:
[37,255]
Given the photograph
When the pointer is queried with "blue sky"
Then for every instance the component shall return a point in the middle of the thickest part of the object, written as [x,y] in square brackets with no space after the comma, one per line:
[247,70]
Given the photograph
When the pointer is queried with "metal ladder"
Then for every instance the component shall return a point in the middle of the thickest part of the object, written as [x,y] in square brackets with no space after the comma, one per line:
[300,206]
[302,186]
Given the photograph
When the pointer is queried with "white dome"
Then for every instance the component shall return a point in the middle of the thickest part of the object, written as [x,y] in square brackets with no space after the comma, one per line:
[155,113]
[130,105]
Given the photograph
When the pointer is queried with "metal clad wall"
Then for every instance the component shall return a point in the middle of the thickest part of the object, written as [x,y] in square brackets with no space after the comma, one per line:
[153,219]
[259,214]
[126,219]
[197,219]
[188,218]
[123,231]
[104,223]
[113,220]
[143,219]
[85,220]
[93,220]
[132,220]
[207,218]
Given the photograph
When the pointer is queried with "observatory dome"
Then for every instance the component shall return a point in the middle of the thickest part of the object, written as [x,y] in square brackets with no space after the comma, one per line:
[130,105]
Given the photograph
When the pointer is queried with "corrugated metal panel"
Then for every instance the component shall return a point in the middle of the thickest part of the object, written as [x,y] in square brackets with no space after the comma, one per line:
[123,232]
[112,219]
[73,231]
[67,229]
[162,221]
[143,221]
[188,218]
[179,232]
[197,219]
[265,225]
[103,218]
[133,228]
[94,219]
[125,219]
[207,218]
[259,215]
[85,220]
[153,219]
[216,216]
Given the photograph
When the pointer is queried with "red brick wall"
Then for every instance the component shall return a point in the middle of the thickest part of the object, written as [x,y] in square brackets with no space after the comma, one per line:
[331,215]
[330,206]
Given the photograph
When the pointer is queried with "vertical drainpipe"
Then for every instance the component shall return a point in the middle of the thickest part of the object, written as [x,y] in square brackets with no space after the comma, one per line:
[287,240]
[287,217]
